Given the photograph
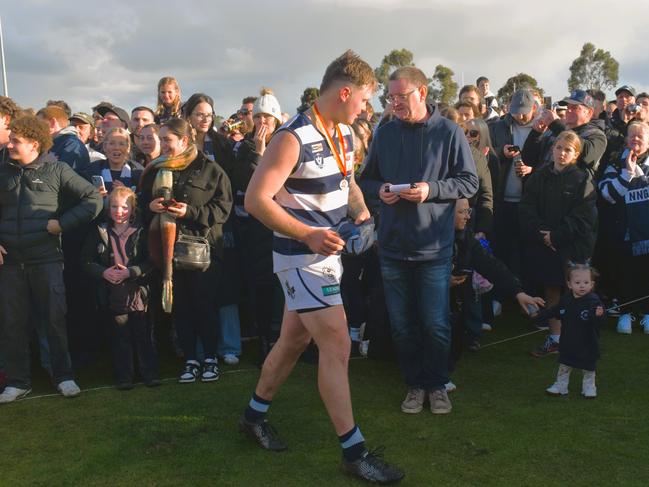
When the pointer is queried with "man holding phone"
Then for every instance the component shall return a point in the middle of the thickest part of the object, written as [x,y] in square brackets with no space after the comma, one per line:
[508,136]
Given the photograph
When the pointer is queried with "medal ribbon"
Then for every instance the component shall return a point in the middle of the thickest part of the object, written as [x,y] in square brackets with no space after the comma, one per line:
[341,161]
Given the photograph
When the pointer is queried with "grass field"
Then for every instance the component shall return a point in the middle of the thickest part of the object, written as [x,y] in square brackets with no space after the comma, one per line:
[503,430]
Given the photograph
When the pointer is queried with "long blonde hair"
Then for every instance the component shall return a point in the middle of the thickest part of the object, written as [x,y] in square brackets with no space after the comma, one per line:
[160,108]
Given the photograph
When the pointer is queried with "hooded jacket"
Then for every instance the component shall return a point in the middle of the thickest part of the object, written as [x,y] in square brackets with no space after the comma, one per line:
[67,147]
[434,151]
[33,194]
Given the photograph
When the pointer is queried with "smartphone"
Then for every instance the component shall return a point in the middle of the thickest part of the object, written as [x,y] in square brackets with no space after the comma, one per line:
[397,188]
[98,182]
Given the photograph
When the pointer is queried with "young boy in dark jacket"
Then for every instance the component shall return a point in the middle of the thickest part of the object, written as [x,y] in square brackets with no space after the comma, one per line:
[32,218]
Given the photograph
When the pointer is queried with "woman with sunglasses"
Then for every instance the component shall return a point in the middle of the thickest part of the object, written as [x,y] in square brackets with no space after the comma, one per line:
[476,317]
[477,134]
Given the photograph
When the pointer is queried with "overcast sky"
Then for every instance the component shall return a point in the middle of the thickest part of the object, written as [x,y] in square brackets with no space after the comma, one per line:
[87,51]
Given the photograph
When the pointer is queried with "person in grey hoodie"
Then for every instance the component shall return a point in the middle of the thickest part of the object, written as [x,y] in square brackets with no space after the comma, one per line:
[431,157]
[508,137]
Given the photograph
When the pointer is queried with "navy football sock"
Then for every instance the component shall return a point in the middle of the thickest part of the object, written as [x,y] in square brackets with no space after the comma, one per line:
[257,409]
[353,444]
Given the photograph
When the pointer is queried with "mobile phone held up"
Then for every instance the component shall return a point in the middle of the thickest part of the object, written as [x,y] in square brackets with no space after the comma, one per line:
[98,182]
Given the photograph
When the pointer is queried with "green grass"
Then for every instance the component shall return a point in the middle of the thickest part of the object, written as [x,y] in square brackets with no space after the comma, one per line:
[503,430]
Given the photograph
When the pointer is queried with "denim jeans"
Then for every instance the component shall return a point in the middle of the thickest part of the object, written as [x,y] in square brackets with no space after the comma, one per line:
[417,298]
[229,331]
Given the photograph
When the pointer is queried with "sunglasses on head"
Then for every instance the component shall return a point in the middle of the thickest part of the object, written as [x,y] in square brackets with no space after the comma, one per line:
[472,133]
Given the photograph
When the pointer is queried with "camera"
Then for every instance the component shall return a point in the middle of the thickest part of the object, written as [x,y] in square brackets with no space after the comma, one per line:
[231,125]
[633,108]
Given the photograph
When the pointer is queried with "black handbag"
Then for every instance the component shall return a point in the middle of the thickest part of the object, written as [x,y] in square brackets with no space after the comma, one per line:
[191,253]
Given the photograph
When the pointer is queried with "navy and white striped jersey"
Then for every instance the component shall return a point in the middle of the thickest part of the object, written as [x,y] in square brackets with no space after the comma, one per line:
[312,193]
[618,184]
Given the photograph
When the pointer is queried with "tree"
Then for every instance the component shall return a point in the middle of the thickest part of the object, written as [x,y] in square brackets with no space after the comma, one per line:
[396,59]
[593,69]
[308,97]
[442,89]
[520,81]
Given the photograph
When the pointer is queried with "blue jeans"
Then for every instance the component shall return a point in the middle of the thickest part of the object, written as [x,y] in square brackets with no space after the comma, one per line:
[229,331]
[417,298]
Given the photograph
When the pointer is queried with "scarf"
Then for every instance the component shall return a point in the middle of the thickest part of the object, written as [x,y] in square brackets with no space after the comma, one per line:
[162,231]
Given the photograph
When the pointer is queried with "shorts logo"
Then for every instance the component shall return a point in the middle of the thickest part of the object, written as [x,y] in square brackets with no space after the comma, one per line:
[329,273]
[319,161]
[290,290]
[330,290]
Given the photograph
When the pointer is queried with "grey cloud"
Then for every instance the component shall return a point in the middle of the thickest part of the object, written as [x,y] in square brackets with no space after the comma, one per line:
[85,51]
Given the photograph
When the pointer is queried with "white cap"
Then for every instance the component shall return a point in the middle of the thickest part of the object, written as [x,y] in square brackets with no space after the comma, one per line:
[268,104]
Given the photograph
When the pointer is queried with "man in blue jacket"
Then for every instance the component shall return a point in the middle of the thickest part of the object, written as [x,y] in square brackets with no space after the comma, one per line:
[431,157]
[67,147]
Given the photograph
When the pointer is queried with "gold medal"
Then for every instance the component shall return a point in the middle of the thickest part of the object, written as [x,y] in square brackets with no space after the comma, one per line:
[343,184]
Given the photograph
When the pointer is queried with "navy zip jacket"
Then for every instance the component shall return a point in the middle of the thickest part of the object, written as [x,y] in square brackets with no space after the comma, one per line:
[437,152]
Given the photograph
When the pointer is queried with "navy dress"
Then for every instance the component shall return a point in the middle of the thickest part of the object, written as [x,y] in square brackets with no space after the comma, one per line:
[579,344]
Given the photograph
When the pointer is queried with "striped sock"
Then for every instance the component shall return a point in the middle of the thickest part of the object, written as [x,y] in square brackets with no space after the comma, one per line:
[353,444]
[257,409]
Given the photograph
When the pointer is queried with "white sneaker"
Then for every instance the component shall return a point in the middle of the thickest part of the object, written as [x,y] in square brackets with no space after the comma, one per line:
[560,387]
[557,389]
[11,394]
[486,327]
[588,387]
[624,324]
[450,387]
[231,359]
[496,307]
[364,347]
[69,388]
[644,322]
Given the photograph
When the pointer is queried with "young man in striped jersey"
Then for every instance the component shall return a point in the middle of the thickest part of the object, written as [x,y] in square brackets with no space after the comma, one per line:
[303,187]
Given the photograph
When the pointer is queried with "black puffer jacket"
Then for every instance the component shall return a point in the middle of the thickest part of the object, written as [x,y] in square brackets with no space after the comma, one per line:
[33,194]
[564,204]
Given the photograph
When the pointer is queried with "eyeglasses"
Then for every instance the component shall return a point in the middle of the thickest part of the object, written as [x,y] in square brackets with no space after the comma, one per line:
[472,133]
[203,116]
[466,211]
[399,96]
